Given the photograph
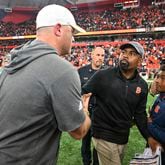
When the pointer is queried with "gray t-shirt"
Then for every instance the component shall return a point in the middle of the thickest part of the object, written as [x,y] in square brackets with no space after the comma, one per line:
[39,98]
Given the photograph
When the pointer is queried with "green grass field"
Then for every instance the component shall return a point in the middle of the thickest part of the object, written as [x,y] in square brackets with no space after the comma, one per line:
[70,148]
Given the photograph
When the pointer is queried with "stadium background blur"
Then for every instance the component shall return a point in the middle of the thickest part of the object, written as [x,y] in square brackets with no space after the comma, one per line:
[108,24]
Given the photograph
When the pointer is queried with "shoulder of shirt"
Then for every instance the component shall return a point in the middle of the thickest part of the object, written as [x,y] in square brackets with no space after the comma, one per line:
[104,67]
[55,61]
[105,70]
[142,80]
[163,97]
[85,67]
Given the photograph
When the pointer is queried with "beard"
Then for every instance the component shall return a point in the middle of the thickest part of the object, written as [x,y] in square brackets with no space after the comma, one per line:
[99,64]
[124,65]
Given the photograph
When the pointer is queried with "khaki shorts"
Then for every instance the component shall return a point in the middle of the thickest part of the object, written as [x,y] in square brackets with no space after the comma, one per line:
[109,153]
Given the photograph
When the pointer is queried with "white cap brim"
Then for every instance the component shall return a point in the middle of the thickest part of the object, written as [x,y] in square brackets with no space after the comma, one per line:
[78,28]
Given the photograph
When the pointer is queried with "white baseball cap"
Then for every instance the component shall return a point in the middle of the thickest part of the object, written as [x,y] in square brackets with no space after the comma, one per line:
[53,14]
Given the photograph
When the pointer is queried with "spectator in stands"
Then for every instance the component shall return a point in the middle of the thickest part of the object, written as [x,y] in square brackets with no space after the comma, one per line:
[41,93]
[85,72]
[97,20]
[156,121]
[121,96]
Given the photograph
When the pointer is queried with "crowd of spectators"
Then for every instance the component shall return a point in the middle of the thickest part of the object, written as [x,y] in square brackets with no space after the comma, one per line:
[143,17]
[11,29]
[154,53]
[91,20]
[80,55]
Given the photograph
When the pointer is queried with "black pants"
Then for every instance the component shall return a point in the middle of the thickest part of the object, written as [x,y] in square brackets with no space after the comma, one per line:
[86,151]
[163,158]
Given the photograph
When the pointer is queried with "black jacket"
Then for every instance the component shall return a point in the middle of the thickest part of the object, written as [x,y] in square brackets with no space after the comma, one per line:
[85,73]
[118,101]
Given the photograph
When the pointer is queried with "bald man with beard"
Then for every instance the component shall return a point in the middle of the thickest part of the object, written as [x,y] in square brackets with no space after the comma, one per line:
[86,72]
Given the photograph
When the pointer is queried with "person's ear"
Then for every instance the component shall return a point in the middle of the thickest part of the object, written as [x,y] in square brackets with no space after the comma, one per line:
[57,30]
[140,62]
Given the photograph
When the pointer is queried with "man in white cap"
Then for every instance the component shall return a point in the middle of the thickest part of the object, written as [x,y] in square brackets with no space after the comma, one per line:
[57,21]
[41,94]
[121,96]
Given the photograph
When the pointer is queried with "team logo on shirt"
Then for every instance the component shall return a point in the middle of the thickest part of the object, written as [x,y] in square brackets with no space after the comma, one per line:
[156,110]
[85,78]
[138,90]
